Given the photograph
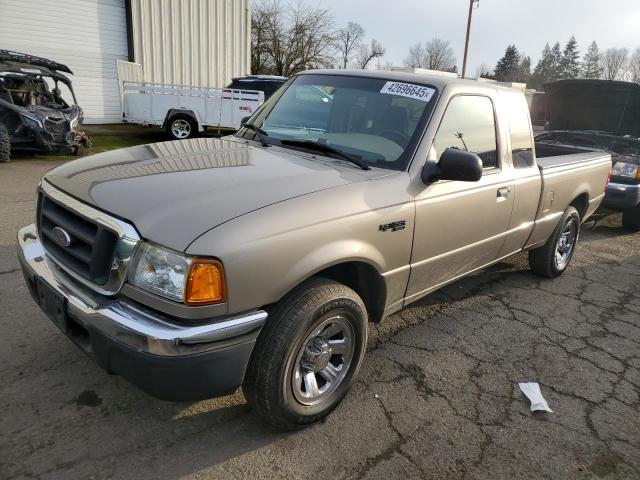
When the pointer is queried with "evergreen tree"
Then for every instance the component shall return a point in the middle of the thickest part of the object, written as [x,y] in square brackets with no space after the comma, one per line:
[524,70]
[541,72]
[507,68]
[570,63]
[555,63]
[592,64]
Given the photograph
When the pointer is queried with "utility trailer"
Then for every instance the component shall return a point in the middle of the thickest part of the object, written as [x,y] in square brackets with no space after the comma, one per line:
[183,110]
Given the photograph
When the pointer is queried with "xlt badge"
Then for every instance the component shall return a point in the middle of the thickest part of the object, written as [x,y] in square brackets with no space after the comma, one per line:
[393,226]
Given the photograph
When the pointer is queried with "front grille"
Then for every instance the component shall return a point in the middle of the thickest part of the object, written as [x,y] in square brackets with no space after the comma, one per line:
[57,128]
[92,247]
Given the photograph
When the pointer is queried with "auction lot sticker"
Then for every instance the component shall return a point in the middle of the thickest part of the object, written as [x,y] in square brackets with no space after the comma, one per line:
[408,90]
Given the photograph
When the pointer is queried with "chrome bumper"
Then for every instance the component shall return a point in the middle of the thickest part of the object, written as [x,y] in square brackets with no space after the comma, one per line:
[130,324]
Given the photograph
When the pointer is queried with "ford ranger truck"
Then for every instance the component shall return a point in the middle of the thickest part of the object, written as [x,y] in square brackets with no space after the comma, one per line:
[192,268]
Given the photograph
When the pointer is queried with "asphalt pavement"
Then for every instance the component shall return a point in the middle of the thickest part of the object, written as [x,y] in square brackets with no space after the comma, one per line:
[437,396]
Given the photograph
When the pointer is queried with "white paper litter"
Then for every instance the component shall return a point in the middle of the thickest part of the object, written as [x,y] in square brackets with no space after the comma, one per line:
[533,393]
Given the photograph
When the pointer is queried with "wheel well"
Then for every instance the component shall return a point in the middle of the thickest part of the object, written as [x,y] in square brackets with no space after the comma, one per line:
[365,281]
[174,113]
[581,203]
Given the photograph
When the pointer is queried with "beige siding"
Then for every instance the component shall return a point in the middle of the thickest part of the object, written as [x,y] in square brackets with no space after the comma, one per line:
[192,42]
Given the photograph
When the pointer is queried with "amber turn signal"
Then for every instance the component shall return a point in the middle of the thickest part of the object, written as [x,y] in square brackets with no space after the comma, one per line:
[205,283]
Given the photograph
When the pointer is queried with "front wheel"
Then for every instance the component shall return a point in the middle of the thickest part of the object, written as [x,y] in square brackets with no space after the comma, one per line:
[553,258]
[5,143]
[308,354]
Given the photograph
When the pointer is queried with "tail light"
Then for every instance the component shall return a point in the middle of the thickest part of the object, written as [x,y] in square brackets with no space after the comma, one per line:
[606,185]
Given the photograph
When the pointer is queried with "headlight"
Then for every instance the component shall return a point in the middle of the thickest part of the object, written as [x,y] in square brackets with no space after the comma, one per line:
[74,123]
[621,169]
[178,277]
[31,122]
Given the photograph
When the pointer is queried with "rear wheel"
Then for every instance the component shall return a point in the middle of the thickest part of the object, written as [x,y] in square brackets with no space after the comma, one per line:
[181,127]
[5,143]
[553,258]
[631,219]
[308,354]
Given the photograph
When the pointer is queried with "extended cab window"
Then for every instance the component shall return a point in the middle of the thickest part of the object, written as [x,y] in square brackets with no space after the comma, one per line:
[469,124]
[520,131]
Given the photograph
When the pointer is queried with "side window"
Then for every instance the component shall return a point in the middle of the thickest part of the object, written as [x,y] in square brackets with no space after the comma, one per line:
[469,124]
[520,131]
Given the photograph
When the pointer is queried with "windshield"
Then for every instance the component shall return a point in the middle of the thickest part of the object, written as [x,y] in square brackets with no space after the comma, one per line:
[374,120]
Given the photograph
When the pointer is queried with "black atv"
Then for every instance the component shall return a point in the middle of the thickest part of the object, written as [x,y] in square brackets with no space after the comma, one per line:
[34,113]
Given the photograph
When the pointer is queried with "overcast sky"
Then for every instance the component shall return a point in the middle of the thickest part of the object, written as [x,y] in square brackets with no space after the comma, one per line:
[496,23]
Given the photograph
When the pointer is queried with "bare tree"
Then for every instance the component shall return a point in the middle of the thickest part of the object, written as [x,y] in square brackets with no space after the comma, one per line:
[436,54]
[366,53]
[417,56]
[484,71]
[614,62]
[440,54]
[349,42]
[634,66]
[288,38]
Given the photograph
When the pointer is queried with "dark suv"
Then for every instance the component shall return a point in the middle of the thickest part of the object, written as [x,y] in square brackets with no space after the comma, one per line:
[263,83]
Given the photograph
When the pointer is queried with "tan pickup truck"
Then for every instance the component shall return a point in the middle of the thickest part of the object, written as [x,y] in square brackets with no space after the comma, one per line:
[195,267]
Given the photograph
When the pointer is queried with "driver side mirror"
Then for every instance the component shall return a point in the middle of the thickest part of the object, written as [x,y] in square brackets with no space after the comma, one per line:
[454,164]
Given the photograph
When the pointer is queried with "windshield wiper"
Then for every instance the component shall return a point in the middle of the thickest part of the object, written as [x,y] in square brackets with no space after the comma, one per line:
[323,147]
[260,133]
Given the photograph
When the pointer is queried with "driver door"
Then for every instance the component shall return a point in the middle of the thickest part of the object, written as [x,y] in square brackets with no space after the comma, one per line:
[461,226]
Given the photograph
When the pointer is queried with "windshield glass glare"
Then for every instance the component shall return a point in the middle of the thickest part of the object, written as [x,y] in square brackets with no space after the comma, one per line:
[374,120]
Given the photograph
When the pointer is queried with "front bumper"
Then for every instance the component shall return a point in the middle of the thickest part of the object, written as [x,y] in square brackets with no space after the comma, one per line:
[165,358]
[621,196]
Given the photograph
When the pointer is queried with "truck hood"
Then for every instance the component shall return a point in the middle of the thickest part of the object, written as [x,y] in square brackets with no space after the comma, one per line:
[604,106]
[175,191]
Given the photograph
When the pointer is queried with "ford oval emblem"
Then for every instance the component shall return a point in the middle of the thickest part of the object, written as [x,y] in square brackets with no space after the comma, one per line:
[61,237]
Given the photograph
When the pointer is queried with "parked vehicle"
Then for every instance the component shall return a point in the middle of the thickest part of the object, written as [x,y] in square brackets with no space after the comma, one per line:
[263,83]
[35,113]
[602,114]
[185,111]
[191,268]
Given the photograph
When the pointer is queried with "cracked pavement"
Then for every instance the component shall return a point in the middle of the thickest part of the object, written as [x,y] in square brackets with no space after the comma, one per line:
[437,395]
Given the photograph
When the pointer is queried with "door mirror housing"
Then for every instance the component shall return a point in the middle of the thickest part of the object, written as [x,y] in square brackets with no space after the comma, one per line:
[454,164]
[245,119]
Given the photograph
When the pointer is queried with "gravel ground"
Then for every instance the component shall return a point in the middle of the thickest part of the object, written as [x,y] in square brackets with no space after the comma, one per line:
[437,396]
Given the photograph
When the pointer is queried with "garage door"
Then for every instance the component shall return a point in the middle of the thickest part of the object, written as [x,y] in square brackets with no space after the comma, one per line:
[86,35]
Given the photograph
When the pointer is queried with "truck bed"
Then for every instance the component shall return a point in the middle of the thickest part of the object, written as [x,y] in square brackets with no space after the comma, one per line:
[552,155]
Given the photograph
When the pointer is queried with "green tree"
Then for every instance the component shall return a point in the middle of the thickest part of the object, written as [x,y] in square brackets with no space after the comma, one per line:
[524,70]
[570,61]
[592,63]
[542,71]
[508,67]
[555,63]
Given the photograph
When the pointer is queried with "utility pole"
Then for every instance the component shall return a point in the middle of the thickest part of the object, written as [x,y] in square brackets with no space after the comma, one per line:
[466,41]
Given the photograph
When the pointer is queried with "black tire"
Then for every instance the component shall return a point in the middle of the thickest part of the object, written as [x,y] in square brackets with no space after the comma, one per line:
[270,386]
[5,143]
[631,219]
[181,127]
[543,261]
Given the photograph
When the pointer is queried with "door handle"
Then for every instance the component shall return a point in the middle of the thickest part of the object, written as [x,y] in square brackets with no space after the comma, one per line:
[503,194]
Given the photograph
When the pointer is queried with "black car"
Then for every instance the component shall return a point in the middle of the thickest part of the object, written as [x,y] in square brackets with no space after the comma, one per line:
[263,83]
[603,114]
[38,108]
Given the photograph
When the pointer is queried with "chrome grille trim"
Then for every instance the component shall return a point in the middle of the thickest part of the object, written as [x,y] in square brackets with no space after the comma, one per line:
[126,243]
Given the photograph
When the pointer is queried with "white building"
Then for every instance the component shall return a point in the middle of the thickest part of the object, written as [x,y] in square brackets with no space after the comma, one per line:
[185,42]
